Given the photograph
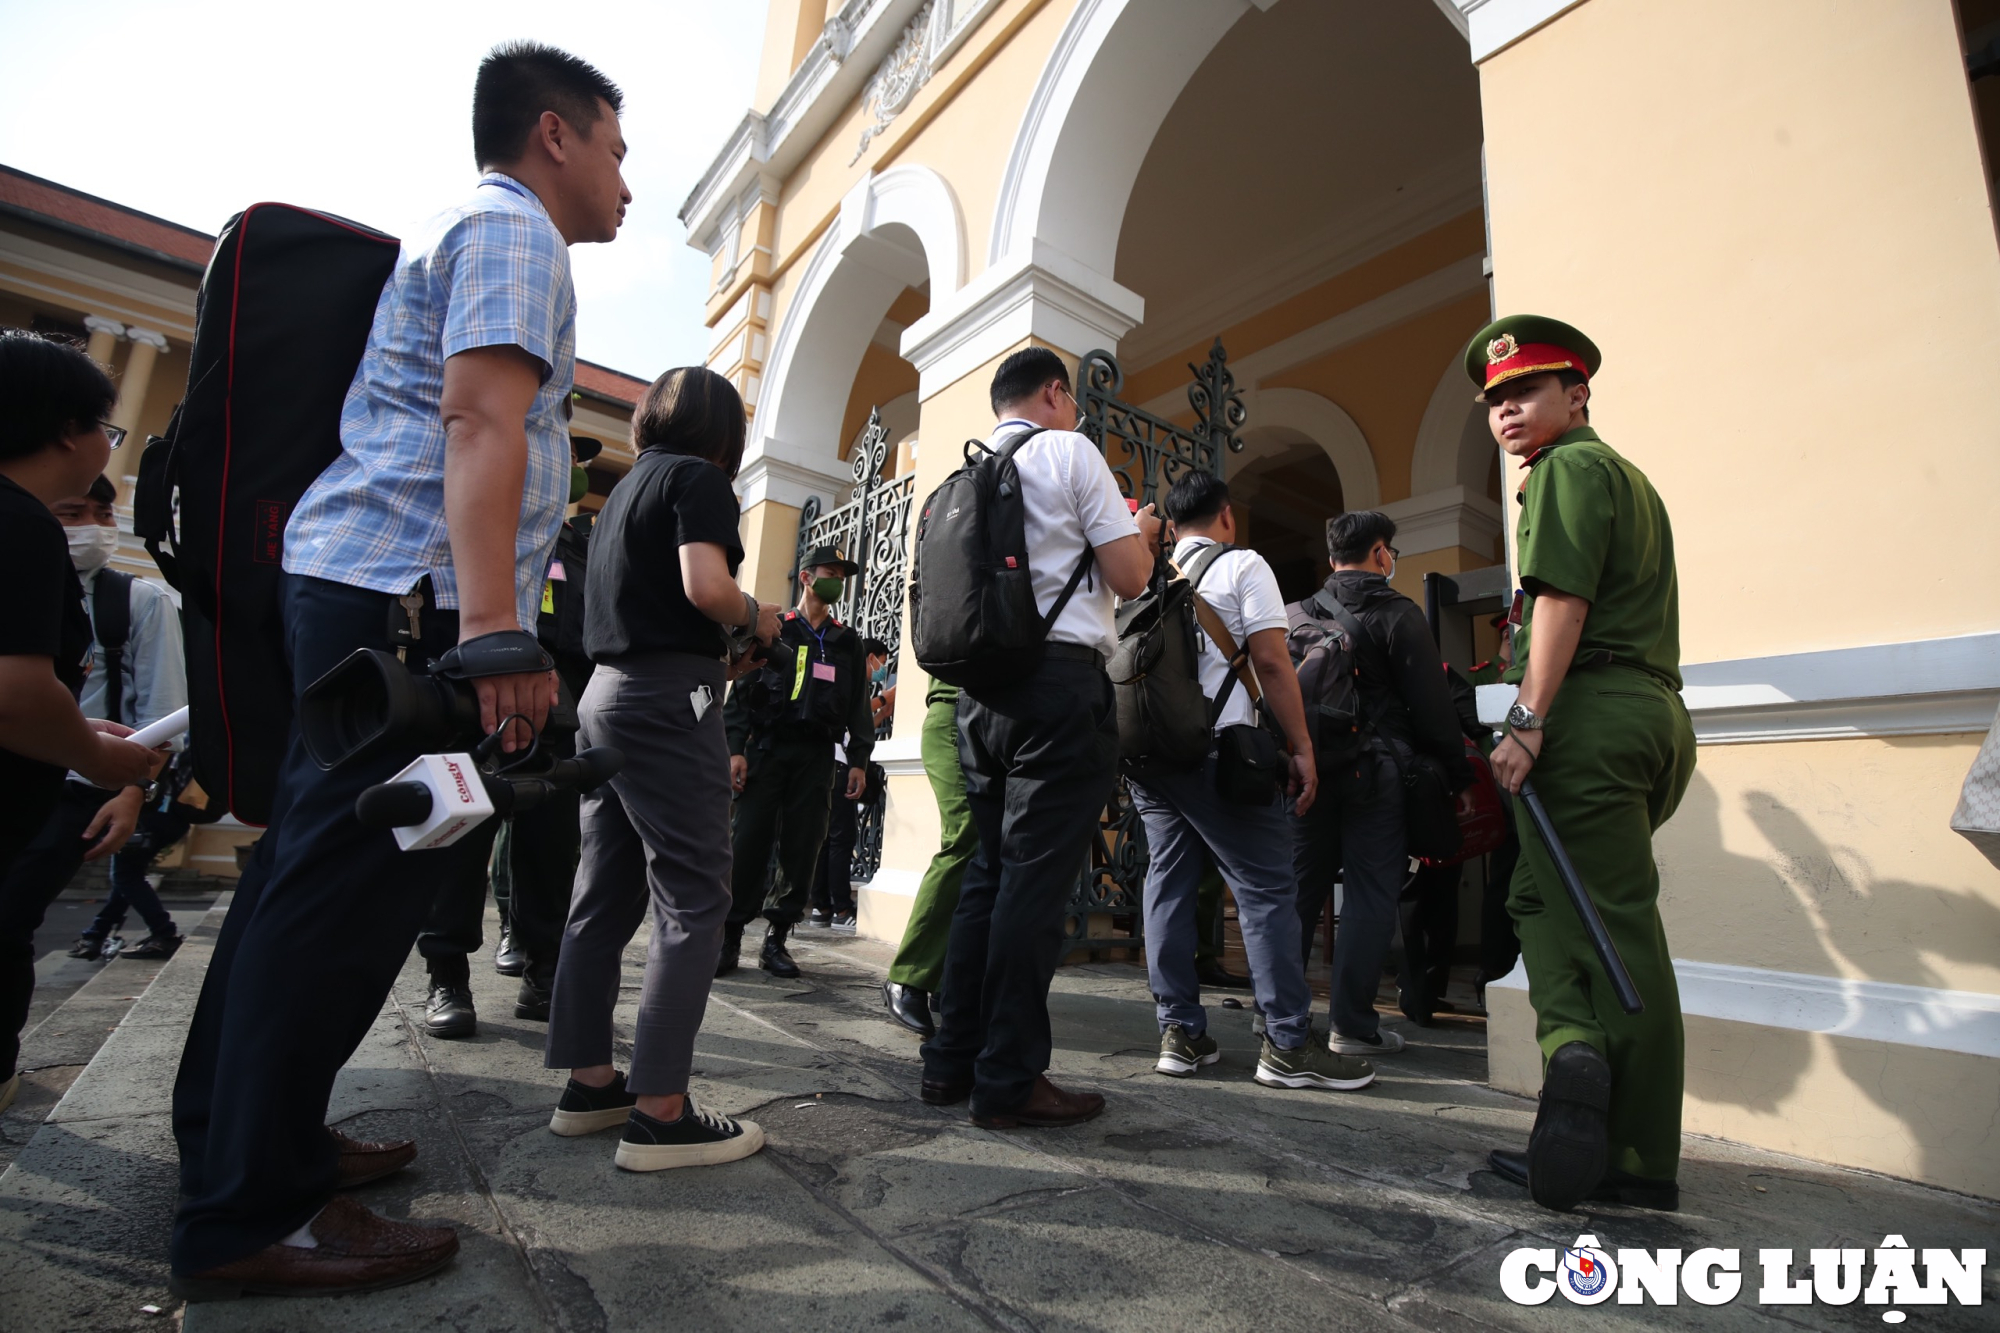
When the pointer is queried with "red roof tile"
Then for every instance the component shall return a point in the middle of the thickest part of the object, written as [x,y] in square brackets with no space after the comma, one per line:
[75,211]
[604,382]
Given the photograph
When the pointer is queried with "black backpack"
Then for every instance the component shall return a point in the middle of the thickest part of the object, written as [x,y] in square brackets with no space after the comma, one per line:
[111,626]
[1164,719]
[281,321]
[973,620]
[1322,637]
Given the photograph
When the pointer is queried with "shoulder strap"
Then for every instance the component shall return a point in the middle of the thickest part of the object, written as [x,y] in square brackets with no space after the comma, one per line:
[1218,633]
[111,623]
[1349,622]
[1007,451]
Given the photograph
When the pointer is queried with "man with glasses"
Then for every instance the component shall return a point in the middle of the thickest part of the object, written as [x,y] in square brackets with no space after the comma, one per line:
[1355,831]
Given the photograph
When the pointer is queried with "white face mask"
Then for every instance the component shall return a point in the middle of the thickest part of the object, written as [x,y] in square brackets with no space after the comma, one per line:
[90,546]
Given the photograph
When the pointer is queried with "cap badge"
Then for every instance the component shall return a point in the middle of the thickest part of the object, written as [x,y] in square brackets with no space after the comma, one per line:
[1501,348]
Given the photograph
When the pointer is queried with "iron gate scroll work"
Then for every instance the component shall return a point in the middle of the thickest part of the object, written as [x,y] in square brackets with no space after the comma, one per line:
[1147,454]
[873,527]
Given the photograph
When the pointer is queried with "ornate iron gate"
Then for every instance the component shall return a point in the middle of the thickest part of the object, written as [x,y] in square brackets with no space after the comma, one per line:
[873,527]
[1147,454]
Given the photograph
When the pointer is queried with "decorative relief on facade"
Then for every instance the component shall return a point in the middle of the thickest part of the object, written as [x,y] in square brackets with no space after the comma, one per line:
[926,42]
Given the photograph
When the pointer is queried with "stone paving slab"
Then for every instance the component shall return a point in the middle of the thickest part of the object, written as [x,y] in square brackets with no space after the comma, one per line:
[1206,1203]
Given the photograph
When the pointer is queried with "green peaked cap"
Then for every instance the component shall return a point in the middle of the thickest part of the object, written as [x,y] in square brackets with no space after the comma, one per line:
[1517,345]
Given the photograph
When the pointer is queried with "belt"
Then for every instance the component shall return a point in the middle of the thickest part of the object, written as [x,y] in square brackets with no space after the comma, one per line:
[1073,652]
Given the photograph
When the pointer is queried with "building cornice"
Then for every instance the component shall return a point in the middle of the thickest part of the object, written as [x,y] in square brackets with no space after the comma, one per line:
[1491,26]
[1442,519]
[1046,295]
[773,476]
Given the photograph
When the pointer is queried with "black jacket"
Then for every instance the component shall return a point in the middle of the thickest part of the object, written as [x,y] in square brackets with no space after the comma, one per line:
[1403,686]
[755,712]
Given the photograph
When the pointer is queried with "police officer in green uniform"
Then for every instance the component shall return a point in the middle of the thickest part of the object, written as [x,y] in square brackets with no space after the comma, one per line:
[782,721]
[1600,729]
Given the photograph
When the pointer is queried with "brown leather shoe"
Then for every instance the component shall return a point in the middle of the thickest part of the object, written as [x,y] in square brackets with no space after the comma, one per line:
[362,1162]
[1047,1107]
[358,1251]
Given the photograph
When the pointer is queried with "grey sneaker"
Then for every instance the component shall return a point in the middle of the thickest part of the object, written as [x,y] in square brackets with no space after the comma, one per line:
[1312,1066]
[1181,1055]
[1384,1042]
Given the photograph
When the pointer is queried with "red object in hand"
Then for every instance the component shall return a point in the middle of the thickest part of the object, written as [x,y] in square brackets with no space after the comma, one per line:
[1482,821]
[1132,505]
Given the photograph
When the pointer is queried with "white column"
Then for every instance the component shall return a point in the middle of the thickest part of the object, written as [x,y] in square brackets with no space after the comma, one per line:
[1440,520]
[132,385]
[105,335]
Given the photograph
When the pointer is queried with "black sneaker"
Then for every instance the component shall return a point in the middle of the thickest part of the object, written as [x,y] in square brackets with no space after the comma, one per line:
[586,1110]
[775,958]
[732,950]
[820,918]
[154,947]
[88,949]
[698,1138]
[844,923]
[532,1000]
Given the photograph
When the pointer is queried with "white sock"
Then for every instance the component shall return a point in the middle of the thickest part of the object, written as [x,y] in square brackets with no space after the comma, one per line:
[303,1238]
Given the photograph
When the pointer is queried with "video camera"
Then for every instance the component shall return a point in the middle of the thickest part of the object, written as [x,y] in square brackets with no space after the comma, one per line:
[371,703]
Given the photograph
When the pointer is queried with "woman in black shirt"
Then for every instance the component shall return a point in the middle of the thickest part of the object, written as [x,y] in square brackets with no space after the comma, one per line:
[53,444]
[660,595]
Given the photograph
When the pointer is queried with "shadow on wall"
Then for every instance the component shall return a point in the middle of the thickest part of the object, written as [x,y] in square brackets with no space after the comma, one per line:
[1821,908]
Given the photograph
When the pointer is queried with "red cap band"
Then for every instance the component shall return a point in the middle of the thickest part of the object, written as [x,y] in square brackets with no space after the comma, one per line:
[1506,360]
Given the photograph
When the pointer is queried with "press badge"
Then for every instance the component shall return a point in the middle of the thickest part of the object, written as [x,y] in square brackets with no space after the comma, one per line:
[822,671]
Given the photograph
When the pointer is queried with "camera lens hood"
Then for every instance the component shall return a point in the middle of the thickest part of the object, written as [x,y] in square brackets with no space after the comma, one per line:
[371,704]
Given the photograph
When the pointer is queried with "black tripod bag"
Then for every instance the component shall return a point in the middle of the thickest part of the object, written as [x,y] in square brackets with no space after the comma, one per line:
[281,321]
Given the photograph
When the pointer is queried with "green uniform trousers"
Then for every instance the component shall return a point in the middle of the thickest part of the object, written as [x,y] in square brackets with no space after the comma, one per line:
[1617,757]
[786,799]
[920,960]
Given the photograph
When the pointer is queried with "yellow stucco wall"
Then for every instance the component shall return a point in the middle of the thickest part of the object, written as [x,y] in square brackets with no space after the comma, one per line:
[1786,251]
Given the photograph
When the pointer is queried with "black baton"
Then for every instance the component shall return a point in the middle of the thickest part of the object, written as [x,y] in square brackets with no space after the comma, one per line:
[1579,897]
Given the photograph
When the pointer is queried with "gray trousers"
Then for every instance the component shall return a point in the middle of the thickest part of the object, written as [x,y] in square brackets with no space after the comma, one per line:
[1187,822]
[657,832]
[1354,830]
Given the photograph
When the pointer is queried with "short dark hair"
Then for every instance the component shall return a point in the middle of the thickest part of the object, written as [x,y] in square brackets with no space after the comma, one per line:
[517,82]
[874,648]
[1569,379]
[1023,374]
[1351,536]
[692,410]
[102,491]
[48,386]
[1197,497]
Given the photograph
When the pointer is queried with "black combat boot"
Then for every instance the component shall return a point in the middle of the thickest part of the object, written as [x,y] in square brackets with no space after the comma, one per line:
[732,948]
[775,959]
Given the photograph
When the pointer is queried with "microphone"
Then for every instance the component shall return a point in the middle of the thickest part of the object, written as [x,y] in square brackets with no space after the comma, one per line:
[441,797]
[393,805]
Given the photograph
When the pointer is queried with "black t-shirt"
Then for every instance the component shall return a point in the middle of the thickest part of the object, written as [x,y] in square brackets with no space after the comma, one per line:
[634,601]
[45,614]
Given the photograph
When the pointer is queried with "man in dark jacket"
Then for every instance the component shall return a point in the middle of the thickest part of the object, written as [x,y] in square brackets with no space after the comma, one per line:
[783,721]
[1355,831]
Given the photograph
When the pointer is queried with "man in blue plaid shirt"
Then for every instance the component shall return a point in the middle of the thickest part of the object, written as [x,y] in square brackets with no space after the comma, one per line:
[439,515]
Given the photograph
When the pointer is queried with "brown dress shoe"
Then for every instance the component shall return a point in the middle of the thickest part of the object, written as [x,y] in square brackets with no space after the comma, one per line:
[362,1162]
[357,1251]
[1047,1107]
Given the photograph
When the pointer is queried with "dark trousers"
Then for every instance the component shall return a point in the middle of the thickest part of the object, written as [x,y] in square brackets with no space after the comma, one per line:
[786,799]
[833,887]
[1041,756]
[322,920]
[1499,946]
[1429,912]
[1354,831]
[23,816]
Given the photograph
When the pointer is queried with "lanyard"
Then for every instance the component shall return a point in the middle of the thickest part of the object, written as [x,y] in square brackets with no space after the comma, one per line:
[508,183]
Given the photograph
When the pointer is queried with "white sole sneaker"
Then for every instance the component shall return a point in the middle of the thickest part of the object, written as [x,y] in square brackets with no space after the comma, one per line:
[570,1124]
[1275,1078]
[665,1156]
[1391,1043]
[1178,1068]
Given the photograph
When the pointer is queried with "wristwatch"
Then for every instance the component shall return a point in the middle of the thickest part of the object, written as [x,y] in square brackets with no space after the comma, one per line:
[1520,719]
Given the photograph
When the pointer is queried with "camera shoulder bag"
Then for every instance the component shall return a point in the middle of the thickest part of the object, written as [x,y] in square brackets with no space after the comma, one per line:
[1249,762]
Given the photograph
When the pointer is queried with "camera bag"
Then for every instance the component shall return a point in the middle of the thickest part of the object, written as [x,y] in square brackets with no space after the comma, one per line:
[281,320]
[1164,718]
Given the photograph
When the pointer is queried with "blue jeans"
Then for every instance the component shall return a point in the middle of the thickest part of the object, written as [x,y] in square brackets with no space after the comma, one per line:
[1187,823]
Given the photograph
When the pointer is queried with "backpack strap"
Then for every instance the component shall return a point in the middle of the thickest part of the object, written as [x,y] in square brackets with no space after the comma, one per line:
[1351,624]
[111,624]
[1218,633]
[1007,451]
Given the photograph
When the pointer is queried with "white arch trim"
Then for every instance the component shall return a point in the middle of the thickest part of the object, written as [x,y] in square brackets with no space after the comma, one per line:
[894,230]
[1115,72]
[1323,422]
[1455,447]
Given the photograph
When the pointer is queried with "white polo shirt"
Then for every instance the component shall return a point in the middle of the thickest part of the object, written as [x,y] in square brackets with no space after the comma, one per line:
[1072,502]
[1243,592]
